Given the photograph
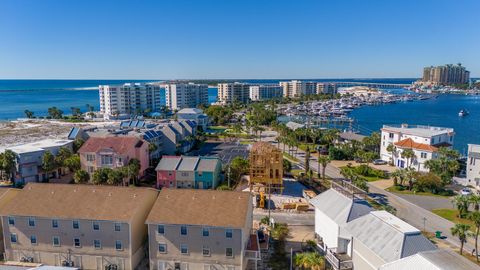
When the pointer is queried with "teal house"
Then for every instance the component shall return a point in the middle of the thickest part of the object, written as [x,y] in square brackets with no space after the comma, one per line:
[207,173]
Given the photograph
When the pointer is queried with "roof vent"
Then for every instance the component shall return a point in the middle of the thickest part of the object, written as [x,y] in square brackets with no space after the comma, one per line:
[134,195]
[110,194]
[93,190]
[75,190]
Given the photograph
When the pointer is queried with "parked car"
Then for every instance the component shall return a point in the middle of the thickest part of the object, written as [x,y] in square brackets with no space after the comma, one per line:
[379,162]
[465,191]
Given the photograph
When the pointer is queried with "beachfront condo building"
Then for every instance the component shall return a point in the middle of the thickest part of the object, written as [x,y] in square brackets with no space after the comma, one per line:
[473,166]
[185,95]
[297,88]
[28,160]
[82,226]
[326,88]
[265,92]
[446,75]
[266,166]
[423,140]
[229,93]
[123,101]
[113,152]
[202,230]
[188,172]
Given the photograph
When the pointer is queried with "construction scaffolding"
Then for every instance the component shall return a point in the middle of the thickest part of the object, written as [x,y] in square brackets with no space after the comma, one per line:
[266,167]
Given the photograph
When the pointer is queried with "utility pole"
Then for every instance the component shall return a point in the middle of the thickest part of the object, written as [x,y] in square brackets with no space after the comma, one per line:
[228,176]
[424,221]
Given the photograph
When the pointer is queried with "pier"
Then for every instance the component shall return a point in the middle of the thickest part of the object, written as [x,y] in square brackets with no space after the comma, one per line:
[374,85]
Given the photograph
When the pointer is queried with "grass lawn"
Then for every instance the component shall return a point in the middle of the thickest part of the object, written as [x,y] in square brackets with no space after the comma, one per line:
[303,146]
[395,189]
[452,215]
[290,157]
[217,127]
[370,178]
[296,172]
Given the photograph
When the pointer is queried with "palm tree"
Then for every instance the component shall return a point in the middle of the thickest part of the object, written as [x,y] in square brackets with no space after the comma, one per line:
[310,260]
[323,161]
[410,175]
[461,203]
[397,174]
[461,230]
[474,201]
[475,217]
[7,163]
[28,114]
[409,155]
[391,149]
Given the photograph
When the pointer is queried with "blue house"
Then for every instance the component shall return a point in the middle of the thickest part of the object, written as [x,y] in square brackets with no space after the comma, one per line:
[207,173]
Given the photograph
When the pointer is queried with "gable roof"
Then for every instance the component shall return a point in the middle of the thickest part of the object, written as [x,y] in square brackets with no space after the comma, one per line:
[188,163]
[388,236]
[438,259]
[411,144]
[190,111]
[67,201]
[214,208]
[207,164]
[119,144]
[168,163]
[340,208]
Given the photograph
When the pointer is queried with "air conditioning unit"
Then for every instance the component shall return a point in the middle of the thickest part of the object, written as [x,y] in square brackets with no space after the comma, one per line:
[27,259]
[111,267]
[67,263]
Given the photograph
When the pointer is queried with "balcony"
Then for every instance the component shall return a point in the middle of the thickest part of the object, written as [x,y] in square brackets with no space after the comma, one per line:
[339,261]
[252,251]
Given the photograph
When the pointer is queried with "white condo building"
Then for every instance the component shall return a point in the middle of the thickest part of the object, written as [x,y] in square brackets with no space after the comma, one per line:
[233,92]
[423,140]
[473,166]
[326,88]
[185,95]
[297,88]
[265,91]
[121,101]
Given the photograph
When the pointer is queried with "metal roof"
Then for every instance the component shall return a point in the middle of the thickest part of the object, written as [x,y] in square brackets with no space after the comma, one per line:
[438,259]
[188,164]
[168,163]
[340,208]
[388,236]
[207,164]
[190,111]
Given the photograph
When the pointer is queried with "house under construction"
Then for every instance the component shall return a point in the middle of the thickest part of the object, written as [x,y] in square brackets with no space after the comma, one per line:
[266,167]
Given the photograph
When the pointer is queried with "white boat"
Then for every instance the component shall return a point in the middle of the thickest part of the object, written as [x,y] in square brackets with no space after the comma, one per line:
[463,113]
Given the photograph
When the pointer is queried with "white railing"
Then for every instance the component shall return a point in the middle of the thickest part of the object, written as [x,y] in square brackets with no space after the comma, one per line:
[250,254]
[336,262]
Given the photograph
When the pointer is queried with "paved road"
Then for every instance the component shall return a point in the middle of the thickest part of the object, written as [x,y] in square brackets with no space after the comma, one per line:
[407,211]
[292,219]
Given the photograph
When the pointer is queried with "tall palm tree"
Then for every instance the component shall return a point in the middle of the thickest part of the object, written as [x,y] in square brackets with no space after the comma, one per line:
[474,201]
[475,217]
[391,149]
[396,175]
[310,260]
[461,230]
[461,203]
[323,161]
[8,160]
[409,155]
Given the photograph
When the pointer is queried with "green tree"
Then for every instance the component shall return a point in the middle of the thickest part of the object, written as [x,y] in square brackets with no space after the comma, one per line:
[307,160]
[323,161]
[100,176]
[461,203]
[475,218]
[474,201]
[372,142]
[310,261]
[445,165]
[133,170]
[287,165]
[81,177]
[77,143]
[396,175]
[63,154]
[7,163]
[238,167]
[461,231]
[48,163]
[55,113]
[72,163]
[115,177]
[392,150]
[29,114]
[409,155]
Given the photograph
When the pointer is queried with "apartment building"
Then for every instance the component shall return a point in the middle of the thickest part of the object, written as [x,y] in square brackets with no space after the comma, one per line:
[266,166]
[6,195]
[297,88]
[122,101]
[188,172]
[185,95]
[380,237]
[194,114]
[83,226]
[446,75]
[423,140]
[229,93]
[28,163]
[113,152]
[202,230]
[326,88]
[265,92]
[473,166]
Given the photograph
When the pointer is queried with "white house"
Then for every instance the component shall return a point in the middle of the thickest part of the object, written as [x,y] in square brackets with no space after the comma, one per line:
[423,140]
[194,114]
[473,166]
[439,259]
[334,208]
[379,238]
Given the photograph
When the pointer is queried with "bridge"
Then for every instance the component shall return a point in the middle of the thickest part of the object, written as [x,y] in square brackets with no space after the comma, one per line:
[374,85]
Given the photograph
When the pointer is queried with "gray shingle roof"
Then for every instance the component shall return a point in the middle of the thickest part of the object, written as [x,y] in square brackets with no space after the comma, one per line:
[340,208]
[188,164]
[168,163]
[388,236]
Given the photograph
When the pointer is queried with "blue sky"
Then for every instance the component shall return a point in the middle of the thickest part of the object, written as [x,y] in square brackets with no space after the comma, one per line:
[119,39]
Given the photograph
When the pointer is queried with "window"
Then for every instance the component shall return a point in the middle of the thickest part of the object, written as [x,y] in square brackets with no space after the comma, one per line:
[118,245]
[118,227]
[76,242]
[31,222]
[183,249]
[90,157]
[228,233]
[97,244]
[390,135]
[107,160]
[13,238]
[206,251]
[54,223]
[75,224]
[205,232]
[423,155]
[161,229]
[56,241]
[183,230]
[229,252]
[33,240]
[162,248]
[11,221]
[96,226]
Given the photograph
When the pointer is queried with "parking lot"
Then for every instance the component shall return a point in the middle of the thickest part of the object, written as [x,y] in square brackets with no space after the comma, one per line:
[226,151]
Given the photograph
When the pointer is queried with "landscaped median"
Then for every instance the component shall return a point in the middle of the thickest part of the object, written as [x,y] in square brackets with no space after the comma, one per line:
[404,190]
[452,215]
[366,172]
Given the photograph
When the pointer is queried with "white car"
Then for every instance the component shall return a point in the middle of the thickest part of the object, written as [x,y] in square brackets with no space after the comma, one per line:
[465,191]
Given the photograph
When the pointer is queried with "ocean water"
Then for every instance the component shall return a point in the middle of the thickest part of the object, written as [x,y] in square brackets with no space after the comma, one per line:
[16,96]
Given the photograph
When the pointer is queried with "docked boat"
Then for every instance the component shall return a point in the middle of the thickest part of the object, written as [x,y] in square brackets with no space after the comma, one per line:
[463,113]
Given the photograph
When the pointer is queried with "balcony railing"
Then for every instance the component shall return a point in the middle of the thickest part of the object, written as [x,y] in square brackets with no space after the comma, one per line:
[339,261]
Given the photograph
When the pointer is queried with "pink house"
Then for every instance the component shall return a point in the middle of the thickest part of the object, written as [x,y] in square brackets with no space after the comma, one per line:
[166,171]
[113,152]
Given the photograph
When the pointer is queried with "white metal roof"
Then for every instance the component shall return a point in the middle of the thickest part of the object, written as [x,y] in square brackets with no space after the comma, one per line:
[431,260]
[190,111]
[38,145]
[418,130]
